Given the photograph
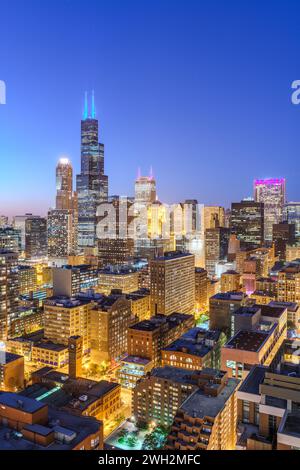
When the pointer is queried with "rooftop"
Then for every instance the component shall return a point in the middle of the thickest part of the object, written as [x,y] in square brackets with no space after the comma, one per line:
[199,405]
[157,320]
[253,380]
[232,296]
[249,340]
[193,342]
[170,255]
[65,302]
[6,357]
[13,400]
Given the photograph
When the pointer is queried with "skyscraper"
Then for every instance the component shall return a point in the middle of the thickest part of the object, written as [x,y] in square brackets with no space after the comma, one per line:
[64,184]
[35,237]
[272,193]
[9,290]
[216,247]
[247,223]
[292,215]
[91,183]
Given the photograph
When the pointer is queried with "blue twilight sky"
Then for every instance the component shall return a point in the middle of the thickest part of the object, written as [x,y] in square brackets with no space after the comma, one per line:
[199,89]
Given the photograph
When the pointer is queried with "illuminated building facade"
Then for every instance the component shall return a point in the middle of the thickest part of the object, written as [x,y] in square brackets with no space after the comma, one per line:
[9,291]
[230,281]
[172,283]
[271,192]
[35,237]
[118,277]
[291,213]
[201,289]
[216,247]
[109,323]
[27,279]
[11,372]
[62,239]
[70,280]
[146,338]
[283,235]
[64,317]
[247,223]
[202,418]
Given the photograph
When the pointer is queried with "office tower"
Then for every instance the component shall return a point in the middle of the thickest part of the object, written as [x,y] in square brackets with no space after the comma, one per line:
[195,350]
[247,223]
[41,427]
[271,192]
[61,231]
[115,232]
[109,323]
[11,372]
[216,247]
[221,308]
[64,185]
[10,238]
[283,235]
[144,190]
[3,220]
[291,213]
[230,281]
[65,317]
[35,237]
[9,291]
[148,337]
[27,279]
[268,402]
[289,282]
[75,346]
[201,289]
[213,217]
[124,277]
[91,183]
[19,222]
[257,333]
[172,283]
[207,419]
[70,280]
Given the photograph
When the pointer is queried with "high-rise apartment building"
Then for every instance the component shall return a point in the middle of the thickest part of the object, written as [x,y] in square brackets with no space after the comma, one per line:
[110,320]
[19,222]
[172,283]
[247,223]
[61,231]
[70,280]
[213,217]
[91,183]
[201,289]
[271,192]
[230,281]
[64,317]
[9,291]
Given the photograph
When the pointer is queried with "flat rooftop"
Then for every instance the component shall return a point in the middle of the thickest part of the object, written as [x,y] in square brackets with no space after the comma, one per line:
[270,311]
[136,360]
[291,424]
[65,302]
[174,374]
[13,400]
[291,306]
[7,357]
[248,340]
[247,311]
[157,320]
[253,380]
[200,405]
[51,346]
[230,296]
[193,342]
[171,255]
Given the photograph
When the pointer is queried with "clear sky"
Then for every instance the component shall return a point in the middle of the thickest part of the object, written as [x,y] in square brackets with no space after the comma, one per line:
[200,90]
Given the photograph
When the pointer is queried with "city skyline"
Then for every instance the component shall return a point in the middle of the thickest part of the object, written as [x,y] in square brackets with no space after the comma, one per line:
[149,94]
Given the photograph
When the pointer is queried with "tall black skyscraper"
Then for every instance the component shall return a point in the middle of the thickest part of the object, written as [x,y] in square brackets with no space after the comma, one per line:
[247,223]
[91,183]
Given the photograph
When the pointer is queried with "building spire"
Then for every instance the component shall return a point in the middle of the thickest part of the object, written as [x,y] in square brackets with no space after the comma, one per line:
[93,105]
[85,109]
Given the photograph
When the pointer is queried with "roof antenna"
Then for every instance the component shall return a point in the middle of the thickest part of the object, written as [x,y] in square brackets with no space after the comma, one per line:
[93,105]
[85,109]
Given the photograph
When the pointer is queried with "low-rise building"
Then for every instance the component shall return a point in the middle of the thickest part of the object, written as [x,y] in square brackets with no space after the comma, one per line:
[11,371]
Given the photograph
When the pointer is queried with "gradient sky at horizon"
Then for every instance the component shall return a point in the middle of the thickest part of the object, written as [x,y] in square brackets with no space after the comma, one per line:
[199,90]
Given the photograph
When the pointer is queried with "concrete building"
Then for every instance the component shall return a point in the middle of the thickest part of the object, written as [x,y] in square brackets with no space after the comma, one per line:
[11,372]
[221,307]
[172,284]
[207,419]
[147,338]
